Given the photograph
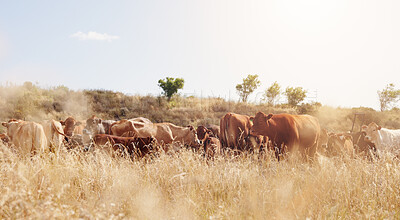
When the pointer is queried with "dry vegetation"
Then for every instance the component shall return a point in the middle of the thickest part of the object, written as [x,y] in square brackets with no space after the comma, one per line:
[183,185]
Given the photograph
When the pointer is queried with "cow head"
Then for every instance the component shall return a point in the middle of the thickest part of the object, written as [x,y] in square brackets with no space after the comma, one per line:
[202,133]
[193,136]
[94,125]
[371,132]
[260,123]
[70,123]
[12,126]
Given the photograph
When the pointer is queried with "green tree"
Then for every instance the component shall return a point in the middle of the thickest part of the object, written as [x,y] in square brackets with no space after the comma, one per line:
[295,95]
[388,96]
[170,86]
[249,84]
[272,93]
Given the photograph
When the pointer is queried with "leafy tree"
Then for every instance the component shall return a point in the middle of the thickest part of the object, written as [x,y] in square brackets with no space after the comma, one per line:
[249,84]
[272,93]
[170,86]
[295,95]
[388,96]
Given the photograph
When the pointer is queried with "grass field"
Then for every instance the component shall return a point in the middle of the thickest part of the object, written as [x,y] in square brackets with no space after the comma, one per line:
[183,185]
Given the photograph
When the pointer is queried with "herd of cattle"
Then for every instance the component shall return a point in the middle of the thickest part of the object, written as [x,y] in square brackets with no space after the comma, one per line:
[278,133]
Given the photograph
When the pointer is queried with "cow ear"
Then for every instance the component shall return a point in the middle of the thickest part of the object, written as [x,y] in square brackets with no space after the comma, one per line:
[5,124]
[98,120]
[78,123]
[364,127]
[251,118]
[269,116]
[62,122]
[379,127]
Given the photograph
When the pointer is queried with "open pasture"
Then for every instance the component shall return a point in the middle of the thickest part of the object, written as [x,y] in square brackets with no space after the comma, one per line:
[183,185]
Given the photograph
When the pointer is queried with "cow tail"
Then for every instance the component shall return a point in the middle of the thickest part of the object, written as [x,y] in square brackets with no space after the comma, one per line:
[55,128]
[227,117]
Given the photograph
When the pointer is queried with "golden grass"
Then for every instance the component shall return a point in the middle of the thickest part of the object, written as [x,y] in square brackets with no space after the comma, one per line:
[185,186]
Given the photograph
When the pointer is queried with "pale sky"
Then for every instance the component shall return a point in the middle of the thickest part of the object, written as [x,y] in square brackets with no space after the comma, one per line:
[345,50]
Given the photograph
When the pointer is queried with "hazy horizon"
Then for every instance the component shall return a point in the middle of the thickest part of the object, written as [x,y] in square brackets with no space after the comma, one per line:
[344,50]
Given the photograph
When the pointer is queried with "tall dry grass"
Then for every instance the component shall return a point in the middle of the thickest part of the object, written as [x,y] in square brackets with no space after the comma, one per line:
[183,185]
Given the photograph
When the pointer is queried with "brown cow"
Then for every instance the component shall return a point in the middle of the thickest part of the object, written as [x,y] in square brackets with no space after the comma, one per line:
[212,147]
[202,133]
[340,145]
[235,132]
[72,126]
[27,137]
[133,145]
[295,132]
[205,132]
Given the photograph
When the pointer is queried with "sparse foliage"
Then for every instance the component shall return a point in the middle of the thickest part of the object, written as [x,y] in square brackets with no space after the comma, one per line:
[170,86]
[388,96]
[295,95]
[249,84]
[273,93]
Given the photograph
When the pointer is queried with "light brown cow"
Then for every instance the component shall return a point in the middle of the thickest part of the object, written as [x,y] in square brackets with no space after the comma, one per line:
[235,133]
[97,125]
[184,135]
[54,134]
[159,131]
[295,133]
[120,127]
[28,137]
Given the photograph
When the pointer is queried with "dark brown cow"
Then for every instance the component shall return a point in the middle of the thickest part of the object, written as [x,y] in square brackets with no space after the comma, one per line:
[235,132]
[212,147]
[133,145]
[363,146]
[291,132]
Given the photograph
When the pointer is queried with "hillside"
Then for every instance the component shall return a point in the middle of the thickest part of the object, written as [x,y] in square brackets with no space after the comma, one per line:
[31,102]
